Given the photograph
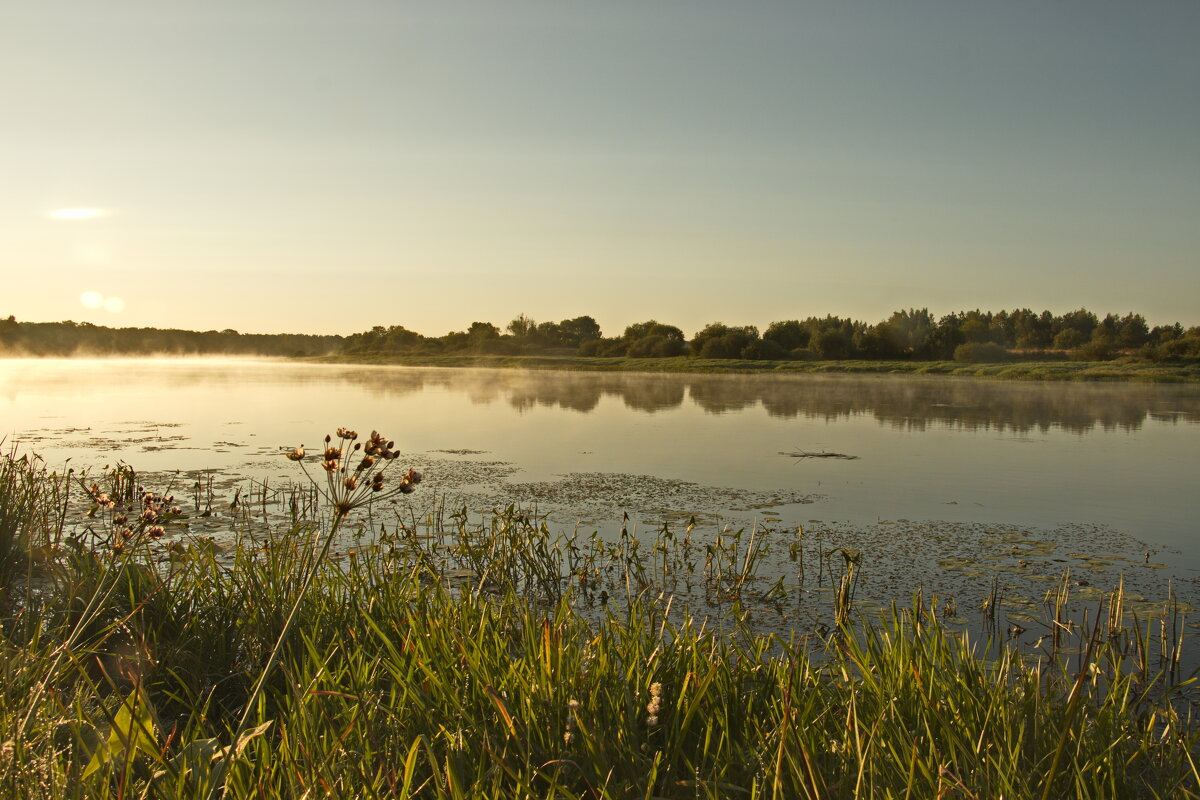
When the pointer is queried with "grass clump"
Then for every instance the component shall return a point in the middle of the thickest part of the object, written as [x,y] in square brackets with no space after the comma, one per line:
[262,667]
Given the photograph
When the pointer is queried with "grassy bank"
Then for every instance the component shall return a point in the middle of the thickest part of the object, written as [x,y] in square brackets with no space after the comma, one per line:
[1023,370]
[497,660]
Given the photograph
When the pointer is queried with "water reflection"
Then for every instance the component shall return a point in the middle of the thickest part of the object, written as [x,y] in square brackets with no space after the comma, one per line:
[902,402]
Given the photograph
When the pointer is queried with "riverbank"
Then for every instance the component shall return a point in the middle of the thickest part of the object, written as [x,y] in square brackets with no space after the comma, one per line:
[1021,370]
[143,660]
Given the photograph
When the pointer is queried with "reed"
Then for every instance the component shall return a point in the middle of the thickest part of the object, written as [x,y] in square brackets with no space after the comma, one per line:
[476,658]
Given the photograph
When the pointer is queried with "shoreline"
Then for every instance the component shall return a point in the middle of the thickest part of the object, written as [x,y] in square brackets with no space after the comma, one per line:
[1102,371]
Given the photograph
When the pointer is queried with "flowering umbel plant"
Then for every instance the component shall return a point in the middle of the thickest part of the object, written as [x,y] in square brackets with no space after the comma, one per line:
[354,470]
[354,476]
[132,515]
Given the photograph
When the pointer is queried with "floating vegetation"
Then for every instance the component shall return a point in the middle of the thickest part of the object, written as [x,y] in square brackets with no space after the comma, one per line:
[817,454]
[593,497]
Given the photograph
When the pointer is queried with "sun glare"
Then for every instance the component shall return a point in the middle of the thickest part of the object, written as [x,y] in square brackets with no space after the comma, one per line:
[92,299]
[76,213]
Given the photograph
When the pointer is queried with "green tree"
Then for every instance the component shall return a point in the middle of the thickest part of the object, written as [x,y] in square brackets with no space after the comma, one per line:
[1080,320]
[1069,339]
[718,340]
[1132,331]
[579,330]
[522,326]
[482,331]
[907,330]
[832,344]
[10,332]
[789,335]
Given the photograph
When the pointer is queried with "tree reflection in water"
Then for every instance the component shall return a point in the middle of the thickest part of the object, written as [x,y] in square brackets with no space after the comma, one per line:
[904,402]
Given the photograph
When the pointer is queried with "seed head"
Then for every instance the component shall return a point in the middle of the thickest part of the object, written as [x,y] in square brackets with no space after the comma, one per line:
[296,454]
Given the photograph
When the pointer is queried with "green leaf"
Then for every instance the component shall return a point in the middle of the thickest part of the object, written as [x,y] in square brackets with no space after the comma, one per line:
[133,729]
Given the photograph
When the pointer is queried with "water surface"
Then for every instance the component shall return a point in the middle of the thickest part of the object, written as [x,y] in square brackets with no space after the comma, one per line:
[932,469]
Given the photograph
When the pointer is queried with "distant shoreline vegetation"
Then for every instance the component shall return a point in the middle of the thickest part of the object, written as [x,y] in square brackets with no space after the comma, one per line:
[1062,370]
[910,340]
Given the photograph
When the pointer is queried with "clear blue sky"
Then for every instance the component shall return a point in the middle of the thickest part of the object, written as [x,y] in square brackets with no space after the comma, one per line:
[325,167]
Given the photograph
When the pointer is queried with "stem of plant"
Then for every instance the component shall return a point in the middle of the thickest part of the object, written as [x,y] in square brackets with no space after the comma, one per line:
[218,775]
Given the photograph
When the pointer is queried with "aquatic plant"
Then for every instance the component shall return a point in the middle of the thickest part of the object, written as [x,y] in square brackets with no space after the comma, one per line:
[348,487]
[493,657]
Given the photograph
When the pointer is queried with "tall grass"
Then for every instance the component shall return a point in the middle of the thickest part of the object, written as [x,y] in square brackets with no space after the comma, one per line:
[466,664]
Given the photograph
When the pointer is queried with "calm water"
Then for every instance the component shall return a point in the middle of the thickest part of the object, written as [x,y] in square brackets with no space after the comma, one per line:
[937,463]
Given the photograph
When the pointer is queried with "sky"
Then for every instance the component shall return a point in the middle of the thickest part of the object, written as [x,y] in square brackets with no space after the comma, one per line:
[324,167]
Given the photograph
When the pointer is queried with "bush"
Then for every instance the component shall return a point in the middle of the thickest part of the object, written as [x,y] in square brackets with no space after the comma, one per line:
[1069,338]
[655,347]
[831,345]
[728,346]
[1094,351]
[980,353]
[763,350]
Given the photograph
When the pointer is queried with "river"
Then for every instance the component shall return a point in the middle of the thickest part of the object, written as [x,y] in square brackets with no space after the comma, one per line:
[929,477]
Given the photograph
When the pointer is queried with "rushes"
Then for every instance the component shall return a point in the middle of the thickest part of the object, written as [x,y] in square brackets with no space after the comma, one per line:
[389,680]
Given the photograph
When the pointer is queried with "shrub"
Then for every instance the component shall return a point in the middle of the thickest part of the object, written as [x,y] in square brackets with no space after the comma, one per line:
[832,344]
[980,353]
[1095,350]
[763,349]
[1069,338]
[727,346]
[646,347]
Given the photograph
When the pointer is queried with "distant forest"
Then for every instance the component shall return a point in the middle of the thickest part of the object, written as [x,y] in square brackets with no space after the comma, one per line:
[86,339]
[966,336]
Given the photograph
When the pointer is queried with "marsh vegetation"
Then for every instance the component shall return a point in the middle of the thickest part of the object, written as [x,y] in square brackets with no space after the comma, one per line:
[460,656]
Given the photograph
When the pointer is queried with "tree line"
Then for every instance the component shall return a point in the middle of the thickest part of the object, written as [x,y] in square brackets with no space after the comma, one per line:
[913,334]
[84,339]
